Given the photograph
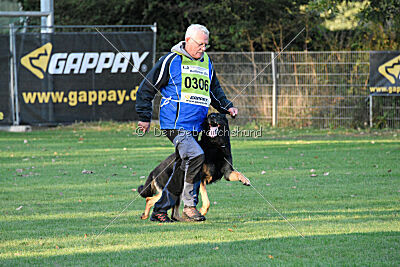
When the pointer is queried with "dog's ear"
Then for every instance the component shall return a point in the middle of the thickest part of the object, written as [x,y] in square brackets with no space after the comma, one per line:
[222,117]
[204,125]
[226,126]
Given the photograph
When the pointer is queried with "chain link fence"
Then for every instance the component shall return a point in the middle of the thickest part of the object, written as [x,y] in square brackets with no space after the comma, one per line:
[312,89]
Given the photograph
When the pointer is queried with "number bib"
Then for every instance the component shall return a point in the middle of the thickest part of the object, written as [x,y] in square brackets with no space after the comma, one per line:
[196,81]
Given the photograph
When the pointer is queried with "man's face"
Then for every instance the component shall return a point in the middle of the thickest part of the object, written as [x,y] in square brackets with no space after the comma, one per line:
[196,45]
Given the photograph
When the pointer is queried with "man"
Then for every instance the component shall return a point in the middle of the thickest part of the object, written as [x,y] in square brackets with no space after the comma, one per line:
[188,84]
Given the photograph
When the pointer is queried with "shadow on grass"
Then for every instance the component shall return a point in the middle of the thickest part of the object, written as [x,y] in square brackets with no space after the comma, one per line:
[375,248]
[58,225]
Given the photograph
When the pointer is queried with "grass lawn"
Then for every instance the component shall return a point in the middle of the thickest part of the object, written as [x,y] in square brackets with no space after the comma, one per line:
[61,187]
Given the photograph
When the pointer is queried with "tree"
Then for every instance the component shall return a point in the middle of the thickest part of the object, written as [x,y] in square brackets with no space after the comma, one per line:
[378,25]
[239,25]
[382,23]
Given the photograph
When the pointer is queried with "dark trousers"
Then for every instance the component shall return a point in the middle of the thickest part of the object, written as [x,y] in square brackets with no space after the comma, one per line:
[185,179]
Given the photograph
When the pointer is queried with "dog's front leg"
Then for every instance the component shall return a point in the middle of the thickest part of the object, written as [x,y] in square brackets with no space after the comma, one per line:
[237,176]
[175,212]
[204,198]
[150,201]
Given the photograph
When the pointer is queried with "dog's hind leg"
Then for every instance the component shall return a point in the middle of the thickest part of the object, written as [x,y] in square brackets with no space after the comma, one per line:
[204,198]
[150,201]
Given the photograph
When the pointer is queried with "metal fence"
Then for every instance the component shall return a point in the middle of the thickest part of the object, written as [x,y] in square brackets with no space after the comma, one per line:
[321,89]
[309,89]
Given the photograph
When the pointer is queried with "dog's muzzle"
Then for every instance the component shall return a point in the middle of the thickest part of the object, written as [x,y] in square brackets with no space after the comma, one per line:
[213,132]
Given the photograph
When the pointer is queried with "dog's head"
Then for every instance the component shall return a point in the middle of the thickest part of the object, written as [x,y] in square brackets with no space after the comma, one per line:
[216,130]
[217,119]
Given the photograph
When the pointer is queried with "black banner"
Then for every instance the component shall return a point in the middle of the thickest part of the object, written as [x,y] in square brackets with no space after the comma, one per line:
[68,77]
[384,69]
[6,116]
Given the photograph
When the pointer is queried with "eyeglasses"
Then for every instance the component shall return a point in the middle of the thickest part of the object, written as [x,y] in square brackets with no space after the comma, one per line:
[206,46]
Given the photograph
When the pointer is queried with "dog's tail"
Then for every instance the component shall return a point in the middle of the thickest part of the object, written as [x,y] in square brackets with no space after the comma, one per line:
[162,172]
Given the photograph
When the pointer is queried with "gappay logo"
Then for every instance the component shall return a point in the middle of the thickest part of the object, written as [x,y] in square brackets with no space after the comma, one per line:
[391,70]
[41,60]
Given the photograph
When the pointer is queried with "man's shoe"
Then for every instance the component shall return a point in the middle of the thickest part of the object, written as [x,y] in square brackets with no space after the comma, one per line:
[160,217]
[192,214]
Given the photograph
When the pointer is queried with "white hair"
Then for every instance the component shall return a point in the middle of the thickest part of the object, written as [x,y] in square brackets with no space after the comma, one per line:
[192,29]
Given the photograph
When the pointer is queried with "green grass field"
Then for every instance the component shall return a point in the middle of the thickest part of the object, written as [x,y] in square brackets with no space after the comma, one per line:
[61,187]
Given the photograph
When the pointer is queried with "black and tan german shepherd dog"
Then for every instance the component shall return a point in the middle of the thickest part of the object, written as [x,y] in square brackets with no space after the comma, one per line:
[215,142]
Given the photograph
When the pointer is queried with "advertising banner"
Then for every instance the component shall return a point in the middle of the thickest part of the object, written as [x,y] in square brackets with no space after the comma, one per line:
[384,72]
[68,77]
[6,116]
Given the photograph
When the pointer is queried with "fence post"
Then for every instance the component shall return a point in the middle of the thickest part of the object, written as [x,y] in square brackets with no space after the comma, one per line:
[154,29]
[370,111]
[274,107]
[48,21]
[14,76]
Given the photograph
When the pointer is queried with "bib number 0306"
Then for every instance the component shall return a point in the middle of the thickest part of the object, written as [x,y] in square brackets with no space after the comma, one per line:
[196,83]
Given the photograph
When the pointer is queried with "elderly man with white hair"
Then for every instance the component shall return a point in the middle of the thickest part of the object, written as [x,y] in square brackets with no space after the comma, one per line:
[187,81]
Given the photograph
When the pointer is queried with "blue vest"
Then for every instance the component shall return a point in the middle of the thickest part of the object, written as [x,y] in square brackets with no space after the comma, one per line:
[186,98]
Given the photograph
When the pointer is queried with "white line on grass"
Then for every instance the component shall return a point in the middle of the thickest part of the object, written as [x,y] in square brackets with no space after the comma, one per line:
[266,200]
[131,203]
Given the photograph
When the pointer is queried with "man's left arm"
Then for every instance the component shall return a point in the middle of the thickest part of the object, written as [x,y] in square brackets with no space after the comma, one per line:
[219,101]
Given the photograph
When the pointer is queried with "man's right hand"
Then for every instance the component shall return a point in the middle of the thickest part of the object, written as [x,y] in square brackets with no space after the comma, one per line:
[144,126]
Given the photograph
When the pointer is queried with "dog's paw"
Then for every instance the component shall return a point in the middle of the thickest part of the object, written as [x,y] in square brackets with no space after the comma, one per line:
[244,180]
[203,211]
